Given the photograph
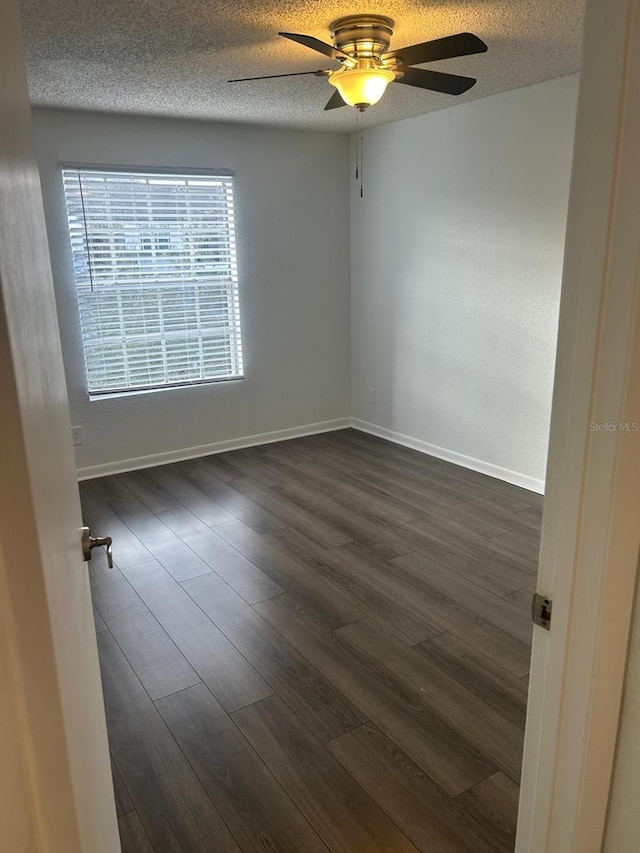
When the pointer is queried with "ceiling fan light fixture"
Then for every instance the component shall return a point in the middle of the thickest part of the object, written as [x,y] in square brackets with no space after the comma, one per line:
[361,87]
[361,43]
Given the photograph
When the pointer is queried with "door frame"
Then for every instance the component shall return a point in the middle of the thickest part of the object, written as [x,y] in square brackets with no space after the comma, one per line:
[591,524]
[591,527]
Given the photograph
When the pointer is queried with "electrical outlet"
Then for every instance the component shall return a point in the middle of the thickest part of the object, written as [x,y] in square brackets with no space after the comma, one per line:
[76,435]
[371,396]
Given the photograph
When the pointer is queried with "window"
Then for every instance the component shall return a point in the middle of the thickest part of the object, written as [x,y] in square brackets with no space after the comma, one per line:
[154,260]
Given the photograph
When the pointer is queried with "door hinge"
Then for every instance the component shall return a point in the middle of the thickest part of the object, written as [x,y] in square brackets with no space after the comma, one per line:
[541,607]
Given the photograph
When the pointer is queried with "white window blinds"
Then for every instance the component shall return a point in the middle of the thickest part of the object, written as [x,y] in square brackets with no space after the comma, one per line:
[154,259]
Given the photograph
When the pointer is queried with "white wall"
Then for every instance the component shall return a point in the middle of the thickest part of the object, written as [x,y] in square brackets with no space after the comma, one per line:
[293,240]
[456,264]
[456,260]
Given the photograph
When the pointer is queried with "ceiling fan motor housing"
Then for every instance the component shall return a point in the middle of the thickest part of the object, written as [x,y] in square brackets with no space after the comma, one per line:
[362,36]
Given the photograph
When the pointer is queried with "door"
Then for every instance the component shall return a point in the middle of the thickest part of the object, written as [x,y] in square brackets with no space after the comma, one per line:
[54,760]
[591,525]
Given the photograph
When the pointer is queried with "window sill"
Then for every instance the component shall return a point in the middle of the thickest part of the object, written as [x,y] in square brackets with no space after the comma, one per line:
[136,392]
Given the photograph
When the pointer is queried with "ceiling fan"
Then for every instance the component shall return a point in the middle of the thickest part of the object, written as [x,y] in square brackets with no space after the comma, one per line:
[361,45]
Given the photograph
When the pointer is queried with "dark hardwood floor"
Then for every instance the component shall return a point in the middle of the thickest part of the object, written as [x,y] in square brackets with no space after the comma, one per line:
[316,645]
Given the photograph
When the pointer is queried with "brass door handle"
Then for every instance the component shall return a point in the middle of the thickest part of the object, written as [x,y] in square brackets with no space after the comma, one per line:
[89,542]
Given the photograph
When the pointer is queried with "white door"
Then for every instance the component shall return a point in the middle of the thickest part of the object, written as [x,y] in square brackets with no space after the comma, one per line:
[591,525]
[55,782]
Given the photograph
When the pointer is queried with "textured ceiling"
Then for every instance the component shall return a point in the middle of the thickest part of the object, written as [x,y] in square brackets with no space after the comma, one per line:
[172,57]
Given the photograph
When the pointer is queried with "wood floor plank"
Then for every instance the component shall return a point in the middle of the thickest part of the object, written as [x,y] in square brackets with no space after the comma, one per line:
[484,727]
[202,506]
[381,448]
[364,449]
[201,474]
[377,503]
[532,515]
[127,505]
[217,662]
[293,513]
[238,464]
[239,572]
[124,805]
[477,559]
[498,611]
[423,498]
[432,820]
[291,449]
[521,598]
[343,815]
[386,449]
[103,521]
[461,608]
[292,471]
[99,622]
[367,579]
[421,482]
[494,800]
[473,512]
[449,521]
[128,550]
[178,558]
[443,600]
[406,480]
[523,546]
[161,542]
[149,491]
[441,752]
[337,485]
[491,484]
[420,470]
[494,685]
[480,487]
[133,838]
[222,467]
[371,480]
[391,467]
[480,560]
[313,698]
[407,476]
[256,809]
[352,521]
[157,661]
[92,499]
[327,600]
[371,452]
[170,801]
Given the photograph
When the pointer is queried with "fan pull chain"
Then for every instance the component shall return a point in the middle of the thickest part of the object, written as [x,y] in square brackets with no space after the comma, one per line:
[361,162]
[357,145]
[359,152]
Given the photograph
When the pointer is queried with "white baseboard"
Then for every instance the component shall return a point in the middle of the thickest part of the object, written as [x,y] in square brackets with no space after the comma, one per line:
[153,459]
[488,468]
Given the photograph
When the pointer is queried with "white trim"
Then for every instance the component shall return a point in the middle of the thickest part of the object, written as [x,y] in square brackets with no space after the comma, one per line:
[153,459]
[488,468]
[591,524]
